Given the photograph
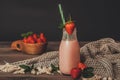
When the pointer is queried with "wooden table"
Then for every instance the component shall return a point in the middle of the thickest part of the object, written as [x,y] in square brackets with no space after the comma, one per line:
[6,54]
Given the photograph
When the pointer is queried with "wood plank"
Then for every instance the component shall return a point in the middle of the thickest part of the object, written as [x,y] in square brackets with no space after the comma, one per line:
[9,76]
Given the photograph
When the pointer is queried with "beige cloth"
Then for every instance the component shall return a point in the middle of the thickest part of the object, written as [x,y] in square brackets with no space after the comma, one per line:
[101,54]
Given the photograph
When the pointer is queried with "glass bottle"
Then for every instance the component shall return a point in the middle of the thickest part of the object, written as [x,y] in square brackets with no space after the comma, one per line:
[69,52]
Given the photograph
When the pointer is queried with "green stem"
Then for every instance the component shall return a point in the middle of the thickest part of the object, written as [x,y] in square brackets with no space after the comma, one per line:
[70,19]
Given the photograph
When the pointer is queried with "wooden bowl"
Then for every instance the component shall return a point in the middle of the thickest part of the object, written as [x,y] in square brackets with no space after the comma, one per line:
[37,48]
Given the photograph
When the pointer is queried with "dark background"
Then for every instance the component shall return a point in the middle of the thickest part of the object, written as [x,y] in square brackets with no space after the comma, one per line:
[94,19]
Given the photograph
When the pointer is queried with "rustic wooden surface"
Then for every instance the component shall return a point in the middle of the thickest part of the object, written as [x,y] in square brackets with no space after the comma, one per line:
[6,54]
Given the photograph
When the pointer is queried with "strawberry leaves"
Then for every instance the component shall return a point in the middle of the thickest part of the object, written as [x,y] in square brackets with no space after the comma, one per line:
[82,70]
[27,68]
[88,72]
[54,68]
[26,34]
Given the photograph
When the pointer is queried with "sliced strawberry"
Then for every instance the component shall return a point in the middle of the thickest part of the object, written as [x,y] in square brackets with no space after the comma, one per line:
[75,73]
[69,27]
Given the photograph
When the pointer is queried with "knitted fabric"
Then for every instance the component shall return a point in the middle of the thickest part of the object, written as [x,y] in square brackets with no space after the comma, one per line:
[100,54]
[104,52]
[118,70]
[46,59]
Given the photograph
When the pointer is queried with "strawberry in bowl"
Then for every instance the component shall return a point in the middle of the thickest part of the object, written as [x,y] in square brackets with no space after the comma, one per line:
[31,43]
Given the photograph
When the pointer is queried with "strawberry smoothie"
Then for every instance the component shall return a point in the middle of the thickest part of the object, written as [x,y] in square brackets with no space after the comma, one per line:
[69,49]
[69,55]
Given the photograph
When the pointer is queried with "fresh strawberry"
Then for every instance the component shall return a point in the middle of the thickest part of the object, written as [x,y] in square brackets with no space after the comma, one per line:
[30,39]
[69,27]
[35,36]
[81,66]
[25,40]
[44,40]
[75,73]
[39,40]
[42,37]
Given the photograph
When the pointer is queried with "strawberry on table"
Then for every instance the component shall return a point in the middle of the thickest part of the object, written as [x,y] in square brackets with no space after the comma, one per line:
[81,65]
[75,73]
[69,27]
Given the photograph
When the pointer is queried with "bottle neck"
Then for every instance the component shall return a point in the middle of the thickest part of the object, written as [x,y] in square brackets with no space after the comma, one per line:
[68,37]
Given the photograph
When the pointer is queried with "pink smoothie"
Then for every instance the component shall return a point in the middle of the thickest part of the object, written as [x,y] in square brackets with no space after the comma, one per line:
[69,55]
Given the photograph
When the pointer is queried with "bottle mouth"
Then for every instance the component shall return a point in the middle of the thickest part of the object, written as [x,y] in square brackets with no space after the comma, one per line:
[69,37]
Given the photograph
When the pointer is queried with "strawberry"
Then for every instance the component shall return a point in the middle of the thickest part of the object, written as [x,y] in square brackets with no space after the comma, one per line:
[35,36]
[69,27]
[81,66]
[75,73]
[42,37]
[44,40]
[39,40]
[25,40]
[30,39]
